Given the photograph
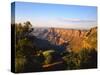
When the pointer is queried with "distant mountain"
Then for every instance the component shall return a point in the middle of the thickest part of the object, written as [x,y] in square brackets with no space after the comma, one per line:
[70,39]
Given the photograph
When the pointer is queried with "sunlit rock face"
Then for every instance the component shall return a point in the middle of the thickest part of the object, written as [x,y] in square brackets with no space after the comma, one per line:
[73,39]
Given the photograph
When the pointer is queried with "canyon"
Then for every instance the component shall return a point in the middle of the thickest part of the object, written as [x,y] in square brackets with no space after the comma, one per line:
[71,39]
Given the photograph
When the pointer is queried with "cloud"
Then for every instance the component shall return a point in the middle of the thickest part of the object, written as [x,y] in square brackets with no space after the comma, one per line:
[62,23]
[76,20]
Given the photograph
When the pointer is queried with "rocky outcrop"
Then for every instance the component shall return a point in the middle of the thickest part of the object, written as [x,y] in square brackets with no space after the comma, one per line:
[69,37]
[72,39]
[90,39]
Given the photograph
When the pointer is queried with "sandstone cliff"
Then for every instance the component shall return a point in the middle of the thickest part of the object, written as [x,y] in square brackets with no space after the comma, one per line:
[72,39]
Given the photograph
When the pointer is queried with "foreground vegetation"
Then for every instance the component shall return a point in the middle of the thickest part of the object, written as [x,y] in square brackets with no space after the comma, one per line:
[29,58]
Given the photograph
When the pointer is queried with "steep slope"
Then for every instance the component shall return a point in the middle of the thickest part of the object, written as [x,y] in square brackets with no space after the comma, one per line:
[90,39]
[71,39]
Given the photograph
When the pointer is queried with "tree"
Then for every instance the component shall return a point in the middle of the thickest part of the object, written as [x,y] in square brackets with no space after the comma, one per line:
[24,46]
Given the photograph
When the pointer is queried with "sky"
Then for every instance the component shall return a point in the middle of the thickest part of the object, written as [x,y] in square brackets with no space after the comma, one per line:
[55,15]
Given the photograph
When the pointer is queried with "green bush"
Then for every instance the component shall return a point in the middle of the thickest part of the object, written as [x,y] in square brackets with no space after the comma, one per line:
[48,55]
[88,58]
[72,61]
[20,64]
[84,59]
